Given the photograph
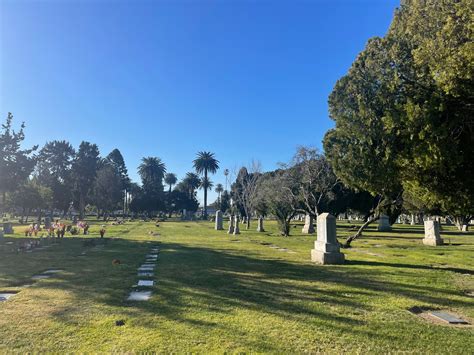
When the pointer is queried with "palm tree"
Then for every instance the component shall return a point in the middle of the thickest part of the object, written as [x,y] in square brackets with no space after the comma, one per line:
[152,171]
[219,189]
[192,181]
[205,163]
[170,179]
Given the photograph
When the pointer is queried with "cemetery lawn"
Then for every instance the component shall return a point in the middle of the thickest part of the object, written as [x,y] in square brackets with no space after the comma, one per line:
[216,292]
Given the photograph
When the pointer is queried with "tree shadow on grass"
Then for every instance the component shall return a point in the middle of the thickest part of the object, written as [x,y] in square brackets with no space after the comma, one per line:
[222,282]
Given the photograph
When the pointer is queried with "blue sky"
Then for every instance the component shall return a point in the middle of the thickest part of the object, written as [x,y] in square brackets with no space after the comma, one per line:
[244,79]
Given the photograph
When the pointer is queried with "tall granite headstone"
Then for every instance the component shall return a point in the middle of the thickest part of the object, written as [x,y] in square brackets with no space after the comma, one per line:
[326,247]
[236,226]
[219,225]
[47,222]
[231,225]
[432,236]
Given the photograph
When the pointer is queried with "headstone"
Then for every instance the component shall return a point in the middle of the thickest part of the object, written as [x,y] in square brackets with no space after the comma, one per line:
[413,222]
[384,225]
[308,227]
[326,247]
[236,225]
[47,222]
[74,219]
[231,225]
[219,225]
[432,236]
[464,228]
[7,228]
[260,225]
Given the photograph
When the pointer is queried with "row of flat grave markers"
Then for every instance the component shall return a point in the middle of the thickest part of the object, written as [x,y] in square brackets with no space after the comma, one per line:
[6,295]
[146,271]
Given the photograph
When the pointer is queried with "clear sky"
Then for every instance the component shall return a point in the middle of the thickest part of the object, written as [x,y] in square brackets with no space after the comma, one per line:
[244,79]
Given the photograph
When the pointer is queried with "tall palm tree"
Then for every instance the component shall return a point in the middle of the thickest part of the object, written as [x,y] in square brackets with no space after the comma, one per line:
[192,181]
[170,179]
[152,171]
[205,163]
[219,189]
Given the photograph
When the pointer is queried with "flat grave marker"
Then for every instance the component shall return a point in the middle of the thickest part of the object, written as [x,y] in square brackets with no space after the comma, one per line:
[40,277]
[145,273]
[139,296]
[6,295]
[146,283]
[52,271]
[447,317]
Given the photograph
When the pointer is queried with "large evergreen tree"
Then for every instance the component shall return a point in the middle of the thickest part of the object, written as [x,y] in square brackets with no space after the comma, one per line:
[404,111]
[16,164]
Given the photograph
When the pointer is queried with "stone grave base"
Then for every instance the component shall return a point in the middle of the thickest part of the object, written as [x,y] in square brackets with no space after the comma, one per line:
[433,241]
[324,258]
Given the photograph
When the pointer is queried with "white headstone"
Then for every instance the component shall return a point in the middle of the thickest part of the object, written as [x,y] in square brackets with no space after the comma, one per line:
[326,247]
[236,227]
[413,222]
[219,226]
[384,225]
[432,236]
[260,225]
[308,227]
[231,225]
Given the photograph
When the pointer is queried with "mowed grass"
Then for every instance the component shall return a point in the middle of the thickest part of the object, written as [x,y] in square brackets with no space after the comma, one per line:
[216,292]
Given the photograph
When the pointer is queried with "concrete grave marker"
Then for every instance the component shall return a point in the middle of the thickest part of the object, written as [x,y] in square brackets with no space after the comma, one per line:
[6,295]
[145,273]
[139,296]
[219,223]
[145,283]
[308,227]
[231,225]
[384,225]
[52,271]
[7,228]
[40,277]
[326,247]
[432,236]
[236,226]
[447,318]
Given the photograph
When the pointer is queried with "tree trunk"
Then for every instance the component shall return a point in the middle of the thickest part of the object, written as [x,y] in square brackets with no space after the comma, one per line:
[82,207]
[347,244]
[205,196]
[248,222]
[461,221]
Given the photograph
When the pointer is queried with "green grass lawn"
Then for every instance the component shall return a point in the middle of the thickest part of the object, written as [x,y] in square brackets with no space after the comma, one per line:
[216,292]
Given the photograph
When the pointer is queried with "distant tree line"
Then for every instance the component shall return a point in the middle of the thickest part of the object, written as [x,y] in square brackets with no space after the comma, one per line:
[59,178]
